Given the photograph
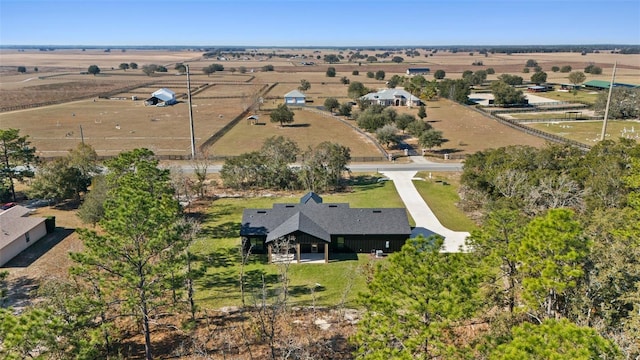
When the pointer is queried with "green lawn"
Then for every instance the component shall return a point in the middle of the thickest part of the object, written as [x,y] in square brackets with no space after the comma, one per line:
[218,253]
[442,200]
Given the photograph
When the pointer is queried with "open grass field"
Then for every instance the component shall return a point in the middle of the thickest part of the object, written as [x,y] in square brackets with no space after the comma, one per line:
[586,97]
[588,132]
[308,129]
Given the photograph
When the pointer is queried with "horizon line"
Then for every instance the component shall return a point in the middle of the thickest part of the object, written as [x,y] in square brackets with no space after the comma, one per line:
[79,46]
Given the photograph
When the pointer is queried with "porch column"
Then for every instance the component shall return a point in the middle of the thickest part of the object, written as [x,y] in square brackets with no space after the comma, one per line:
[269,252]
[326,253]
[298,252]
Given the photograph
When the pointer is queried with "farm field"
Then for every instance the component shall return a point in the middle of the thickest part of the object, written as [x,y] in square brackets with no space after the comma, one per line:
[113,125]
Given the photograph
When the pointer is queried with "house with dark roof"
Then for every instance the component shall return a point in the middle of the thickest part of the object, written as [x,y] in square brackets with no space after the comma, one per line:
[312,226]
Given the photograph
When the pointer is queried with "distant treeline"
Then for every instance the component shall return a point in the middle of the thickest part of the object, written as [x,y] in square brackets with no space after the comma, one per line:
[618,48]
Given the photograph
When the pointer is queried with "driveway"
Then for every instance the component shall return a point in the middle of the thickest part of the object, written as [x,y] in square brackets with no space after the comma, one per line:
[426,222]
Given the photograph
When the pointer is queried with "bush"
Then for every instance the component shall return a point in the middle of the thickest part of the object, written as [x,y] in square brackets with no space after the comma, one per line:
[439,74]
[355,72]
[555,68]
[565,69]
[592,69]
[490,71]
[525,70]
[531,63]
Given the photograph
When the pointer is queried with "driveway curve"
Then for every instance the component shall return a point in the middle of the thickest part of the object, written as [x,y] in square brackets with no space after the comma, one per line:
[426,221]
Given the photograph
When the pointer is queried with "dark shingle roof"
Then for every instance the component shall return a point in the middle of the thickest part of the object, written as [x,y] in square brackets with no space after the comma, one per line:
[332,219]
[311,196]
[299,222]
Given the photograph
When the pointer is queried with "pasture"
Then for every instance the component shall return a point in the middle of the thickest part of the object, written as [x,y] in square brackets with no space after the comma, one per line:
[114,125]
[589,132]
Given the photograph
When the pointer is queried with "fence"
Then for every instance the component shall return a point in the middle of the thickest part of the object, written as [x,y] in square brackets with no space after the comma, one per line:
[105,95]
[218,134]
[384,153]
[535,132]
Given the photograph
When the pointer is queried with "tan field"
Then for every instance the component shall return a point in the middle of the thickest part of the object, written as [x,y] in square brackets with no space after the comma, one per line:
[113,125]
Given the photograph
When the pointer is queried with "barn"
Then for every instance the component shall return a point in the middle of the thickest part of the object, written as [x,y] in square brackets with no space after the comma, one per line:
[604,85]
[294,98]
[18,231]
[162,97]
[312,226]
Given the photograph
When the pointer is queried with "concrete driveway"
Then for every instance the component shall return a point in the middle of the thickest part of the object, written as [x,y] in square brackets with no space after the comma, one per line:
[426,222]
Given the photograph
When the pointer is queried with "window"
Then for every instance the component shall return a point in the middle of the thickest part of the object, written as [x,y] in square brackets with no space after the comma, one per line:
[340,242]
[256,244]
[26,236]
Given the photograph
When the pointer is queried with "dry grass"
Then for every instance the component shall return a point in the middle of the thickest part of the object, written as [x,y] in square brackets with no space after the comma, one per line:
[304,131]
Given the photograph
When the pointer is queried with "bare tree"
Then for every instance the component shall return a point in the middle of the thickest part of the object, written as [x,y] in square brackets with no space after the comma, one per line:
[201,165]
[245,253]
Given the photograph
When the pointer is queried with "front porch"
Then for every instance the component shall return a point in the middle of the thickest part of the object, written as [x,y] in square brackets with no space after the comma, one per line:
[289,250]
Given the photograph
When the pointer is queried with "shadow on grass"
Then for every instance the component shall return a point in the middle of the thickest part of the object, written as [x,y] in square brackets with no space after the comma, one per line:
[41,247]
[297,125]
[365,182]
[229,229]
[335,257]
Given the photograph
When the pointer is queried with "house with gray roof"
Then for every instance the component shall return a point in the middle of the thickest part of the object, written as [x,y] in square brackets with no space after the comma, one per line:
[392,97]
[18,231]
[294,98]
[312,226]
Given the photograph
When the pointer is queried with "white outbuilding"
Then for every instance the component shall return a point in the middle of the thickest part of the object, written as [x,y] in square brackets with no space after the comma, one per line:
[18,231]
[162,97]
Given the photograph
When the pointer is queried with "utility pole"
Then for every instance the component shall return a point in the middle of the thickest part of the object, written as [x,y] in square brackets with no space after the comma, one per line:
[193,139]
[81,135]
[606,110]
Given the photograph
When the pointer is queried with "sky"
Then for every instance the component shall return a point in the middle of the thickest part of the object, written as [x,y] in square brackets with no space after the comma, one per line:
[290,23]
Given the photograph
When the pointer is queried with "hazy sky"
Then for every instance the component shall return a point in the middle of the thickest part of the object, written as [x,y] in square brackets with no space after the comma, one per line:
[318,23]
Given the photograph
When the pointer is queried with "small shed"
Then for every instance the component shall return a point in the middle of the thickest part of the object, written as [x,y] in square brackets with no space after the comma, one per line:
[418,71]
[18,231]
[162,97]
[294,98]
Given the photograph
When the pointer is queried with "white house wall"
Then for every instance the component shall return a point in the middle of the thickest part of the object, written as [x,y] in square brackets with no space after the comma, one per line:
[20,243]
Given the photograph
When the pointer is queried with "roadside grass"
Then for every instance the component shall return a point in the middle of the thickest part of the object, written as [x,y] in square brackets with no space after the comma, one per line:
[442,200]
[588,132]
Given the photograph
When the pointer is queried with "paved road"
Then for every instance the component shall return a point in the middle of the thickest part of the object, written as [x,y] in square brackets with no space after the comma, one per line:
[364,167]
[426,221]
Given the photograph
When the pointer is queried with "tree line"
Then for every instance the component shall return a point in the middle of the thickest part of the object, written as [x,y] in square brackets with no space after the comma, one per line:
[552,272]
[320,168]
